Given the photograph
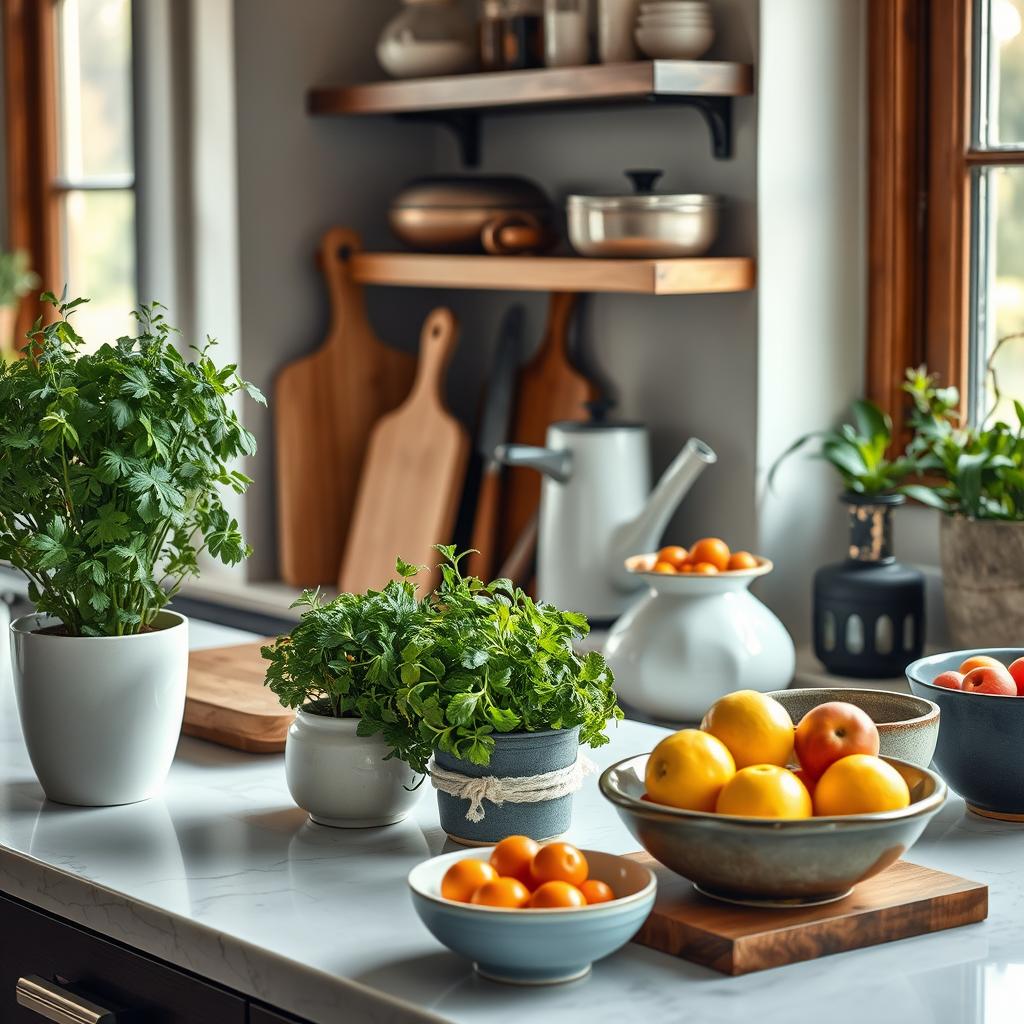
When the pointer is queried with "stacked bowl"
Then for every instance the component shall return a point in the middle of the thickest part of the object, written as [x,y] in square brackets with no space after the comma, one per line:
[675,29]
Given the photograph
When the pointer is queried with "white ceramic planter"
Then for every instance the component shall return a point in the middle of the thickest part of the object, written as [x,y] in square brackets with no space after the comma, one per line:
[101,715]
[693,639]
[342,779]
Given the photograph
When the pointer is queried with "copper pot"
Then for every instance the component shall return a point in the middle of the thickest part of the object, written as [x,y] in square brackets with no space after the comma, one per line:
[495,215]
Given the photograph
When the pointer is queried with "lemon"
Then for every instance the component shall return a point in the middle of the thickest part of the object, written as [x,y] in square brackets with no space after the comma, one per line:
[688,769]
[755,728]
[860,784]
[765,791]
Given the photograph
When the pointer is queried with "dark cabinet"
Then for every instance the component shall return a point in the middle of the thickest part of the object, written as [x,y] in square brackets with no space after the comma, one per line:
[258,1015]
[71,963]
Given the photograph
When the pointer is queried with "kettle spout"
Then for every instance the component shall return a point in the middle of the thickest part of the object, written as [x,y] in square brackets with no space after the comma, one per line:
[643,533]
[555,464]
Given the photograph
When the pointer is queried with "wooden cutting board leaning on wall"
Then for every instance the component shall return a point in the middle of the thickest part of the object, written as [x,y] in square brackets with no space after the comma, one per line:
[413,475]
[325,406]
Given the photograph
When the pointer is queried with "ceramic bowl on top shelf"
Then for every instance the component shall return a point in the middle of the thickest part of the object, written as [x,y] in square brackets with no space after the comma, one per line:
[535,947]
[982,735]
[767,862]
[695,638]
[675,31]
[908,726]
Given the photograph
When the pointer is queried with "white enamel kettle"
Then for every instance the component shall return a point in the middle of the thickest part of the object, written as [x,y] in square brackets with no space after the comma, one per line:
[597,508]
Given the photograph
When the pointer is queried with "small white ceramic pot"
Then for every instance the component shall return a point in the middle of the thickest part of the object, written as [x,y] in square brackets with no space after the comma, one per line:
[101,715]
[342,779]
[693,639]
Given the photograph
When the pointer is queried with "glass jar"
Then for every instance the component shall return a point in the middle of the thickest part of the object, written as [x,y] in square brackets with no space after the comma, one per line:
[429,37]
[566,33]
[524,34]
[493,18]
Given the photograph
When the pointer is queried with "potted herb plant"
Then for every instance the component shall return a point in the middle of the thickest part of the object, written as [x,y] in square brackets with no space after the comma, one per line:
[475,684]
[16,281]
[111,469]
[869,609]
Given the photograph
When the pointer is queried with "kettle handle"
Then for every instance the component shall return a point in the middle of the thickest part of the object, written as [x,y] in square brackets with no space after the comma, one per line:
[555,464]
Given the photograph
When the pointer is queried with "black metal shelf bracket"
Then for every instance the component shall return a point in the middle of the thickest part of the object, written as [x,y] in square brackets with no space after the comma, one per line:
[465,125]
[717,114]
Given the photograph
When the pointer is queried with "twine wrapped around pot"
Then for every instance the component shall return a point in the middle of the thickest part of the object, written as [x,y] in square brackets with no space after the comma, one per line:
[525,789]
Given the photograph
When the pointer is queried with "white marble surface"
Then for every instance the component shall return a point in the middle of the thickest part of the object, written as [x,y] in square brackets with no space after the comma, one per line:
[224,876]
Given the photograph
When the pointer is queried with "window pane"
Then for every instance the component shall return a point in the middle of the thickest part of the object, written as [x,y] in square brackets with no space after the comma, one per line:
[95,100]
[100,261]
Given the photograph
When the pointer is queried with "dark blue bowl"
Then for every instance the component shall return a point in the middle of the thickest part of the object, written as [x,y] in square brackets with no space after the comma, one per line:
[981,736]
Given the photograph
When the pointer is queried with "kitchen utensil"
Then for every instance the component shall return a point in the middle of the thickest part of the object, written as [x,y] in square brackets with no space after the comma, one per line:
[494,429]
[597,508]
[325,405]
[667,40]
[480,213]
[643,224]
[908,726]
[904,900]
[692,639]
[981,737]
[550,388]
[412,480]
[429,37]
[535,947]
[616,21]
[227,703]
[768,862]
[566,33]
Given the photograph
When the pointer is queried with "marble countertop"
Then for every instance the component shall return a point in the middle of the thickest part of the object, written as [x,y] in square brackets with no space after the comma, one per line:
[225,877]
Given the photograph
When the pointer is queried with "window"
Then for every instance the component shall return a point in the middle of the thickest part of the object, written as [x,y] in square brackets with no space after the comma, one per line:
[71,166]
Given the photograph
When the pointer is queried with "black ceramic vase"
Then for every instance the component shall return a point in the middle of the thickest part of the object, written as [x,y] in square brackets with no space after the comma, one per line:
[869,610]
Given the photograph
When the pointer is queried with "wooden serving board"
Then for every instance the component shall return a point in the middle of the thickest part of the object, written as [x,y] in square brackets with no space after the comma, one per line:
[227,703]
[902,901]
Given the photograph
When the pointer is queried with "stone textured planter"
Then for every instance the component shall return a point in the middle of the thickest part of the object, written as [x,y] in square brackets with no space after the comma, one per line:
[983,581]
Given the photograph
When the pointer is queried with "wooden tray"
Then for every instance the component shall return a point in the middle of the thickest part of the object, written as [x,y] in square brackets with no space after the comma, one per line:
[228,704]
[902,901]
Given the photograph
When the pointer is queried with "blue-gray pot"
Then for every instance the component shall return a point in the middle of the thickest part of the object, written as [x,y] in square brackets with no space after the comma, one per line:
[516,754]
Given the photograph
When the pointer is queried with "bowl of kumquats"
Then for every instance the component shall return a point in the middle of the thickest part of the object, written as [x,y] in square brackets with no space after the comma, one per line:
[529,913]
[708,557]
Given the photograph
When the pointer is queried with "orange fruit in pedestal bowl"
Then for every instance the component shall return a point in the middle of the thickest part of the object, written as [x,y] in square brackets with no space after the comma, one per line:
[713,551]
[741,561]
[674,556]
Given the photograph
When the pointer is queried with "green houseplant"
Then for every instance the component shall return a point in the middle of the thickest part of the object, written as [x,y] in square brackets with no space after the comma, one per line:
[461,675]
[112,464]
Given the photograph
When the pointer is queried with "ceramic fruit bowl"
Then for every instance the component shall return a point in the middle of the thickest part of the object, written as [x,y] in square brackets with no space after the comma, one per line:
[765,862]
[908,726]
[982,735]
[535,947]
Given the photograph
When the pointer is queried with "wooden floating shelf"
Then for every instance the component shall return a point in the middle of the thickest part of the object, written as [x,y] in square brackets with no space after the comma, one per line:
[556,273]
[597,83]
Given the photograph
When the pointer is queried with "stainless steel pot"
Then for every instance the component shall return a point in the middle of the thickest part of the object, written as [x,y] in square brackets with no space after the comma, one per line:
[496,215]
[644,224]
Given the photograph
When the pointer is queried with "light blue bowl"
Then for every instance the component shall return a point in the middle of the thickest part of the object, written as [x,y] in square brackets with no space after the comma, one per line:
[535,947]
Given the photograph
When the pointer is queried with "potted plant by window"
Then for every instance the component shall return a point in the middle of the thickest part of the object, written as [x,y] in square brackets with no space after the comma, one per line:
[474,684]
[111,464]
[978,481]
[16,281]
[868,609]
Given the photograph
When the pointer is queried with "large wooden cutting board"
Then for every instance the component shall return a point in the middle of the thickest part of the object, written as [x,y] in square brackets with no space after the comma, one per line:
[413,476]
[325,406]
[904,900]
[227,703]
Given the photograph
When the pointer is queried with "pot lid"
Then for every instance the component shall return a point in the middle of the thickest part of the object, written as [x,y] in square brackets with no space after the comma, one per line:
[644,197]
[472,191]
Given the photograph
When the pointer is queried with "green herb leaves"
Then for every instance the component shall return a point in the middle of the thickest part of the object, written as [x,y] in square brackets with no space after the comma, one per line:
[111,469]
[447,671]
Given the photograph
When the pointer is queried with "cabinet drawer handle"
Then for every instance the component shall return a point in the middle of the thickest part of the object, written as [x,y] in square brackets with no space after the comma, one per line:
[58,1004]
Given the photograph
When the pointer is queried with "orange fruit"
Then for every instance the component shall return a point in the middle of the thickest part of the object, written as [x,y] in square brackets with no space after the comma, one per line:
[666,567]
[596,892]
[560,862]
[755,728]
[502,892]
[686,568]
[860,784]
[512,858]
[706,569]
[674,555]
[464,877]
[688,769]
[981,661]
[765,791]
[741,561]
[711,550]
[557,894]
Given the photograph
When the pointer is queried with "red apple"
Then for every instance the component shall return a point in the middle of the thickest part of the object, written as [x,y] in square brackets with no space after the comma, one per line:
[831,731]
[807,779]
[1017,671]
[951,680]
[990,680]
